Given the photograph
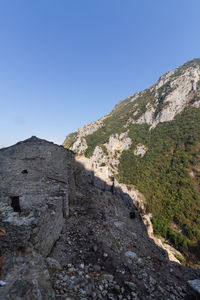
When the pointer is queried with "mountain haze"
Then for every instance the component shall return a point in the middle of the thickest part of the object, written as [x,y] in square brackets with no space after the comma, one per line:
[151,142]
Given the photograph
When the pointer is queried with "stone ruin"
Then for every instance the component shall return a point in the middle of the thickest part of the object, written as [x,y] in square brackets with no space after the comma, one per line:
[35,191]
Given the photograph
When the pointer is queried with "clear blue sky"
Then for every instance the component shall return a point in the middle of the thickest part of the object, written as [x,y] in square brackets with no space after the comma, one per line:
[66,63]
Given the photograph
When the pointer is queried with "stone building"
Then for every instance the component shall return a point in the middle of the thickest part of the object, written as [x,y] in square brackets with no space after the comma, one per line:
[35,183]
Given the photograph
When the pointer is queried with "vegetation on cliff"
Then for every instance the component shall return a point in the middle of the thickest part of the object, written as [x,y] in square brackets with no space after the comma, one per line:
[169,176]
[169,172]
[116,122]
[70,139]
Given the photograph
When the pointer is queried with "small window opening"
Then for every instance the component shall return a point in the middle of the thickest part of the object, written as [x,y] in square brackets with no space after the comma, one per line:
[132,214]
[15,204]
[24,172]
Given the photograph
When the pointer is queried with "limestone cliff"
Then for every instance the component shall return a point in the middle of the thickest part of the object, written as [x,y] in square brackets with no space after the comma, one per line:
[173,92]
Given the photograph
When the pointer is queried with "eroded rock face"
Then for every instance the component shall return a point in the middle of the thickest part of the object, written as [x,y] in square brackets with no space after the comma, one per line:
[140,150]
[80,145]
[101,159]
[173,92]
[90,128]
[118,142]
[182,91]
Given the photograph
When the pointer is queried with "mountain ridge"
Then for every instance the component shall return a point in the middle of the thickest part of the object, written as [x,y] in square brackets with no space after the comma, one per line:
[150,141]
[93,126]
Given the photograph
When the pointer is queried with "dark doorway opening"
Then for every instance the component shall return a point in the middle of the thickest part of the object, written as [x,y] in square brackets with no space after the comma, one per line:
[15,203]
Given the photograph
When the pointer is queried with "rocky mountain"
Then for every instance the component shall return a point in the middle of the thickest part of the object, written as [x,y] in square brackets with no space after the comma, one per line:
[150,144]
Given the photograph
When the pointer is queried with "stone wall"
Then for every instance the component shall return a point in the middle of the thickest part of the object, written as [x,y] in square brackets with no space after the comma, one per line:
[36,186]
[35,193]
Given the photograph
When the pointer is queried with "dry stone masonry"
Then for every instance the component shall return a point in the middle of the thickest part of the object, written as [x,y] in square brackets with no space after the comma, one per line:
[33,181]
[34,195]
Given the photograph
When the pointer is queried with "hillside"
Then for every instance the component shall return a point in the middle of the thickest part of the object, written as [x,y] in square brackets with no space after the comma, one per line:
[151,142]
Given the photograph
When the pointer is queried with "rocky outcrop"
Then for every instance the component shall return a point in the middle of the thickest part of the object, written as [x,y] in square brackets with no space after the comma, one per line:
[80,145]
[109,154]
[118,142]
[173,92]
[182,89]
[140,150]
[90,128]
[106,155]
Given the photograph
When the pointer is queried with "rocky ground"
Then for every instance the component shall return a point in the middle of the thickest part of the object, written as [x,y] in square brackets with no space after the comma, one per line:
[104,254]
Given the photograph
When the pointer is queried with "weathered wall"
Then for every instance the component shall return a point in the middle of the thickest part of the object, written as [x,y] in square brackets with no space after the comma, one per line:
[40,175]
[42,160]
[37,172]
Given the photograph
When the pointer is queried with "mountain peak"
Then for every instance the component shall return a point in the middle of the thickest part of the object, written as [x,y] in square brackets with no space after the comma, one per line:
[174,91]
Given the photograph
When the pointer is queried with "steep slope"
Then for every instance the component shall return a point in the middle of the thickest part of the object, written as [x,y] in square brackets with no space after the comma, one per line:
[105,254]
[151,141]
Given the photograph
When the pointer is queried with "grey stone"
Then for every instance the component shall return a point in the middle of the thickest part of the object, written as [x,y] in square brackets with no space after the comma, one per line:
[131,255]
[97,268]
[108,277]
[131,285]
[195,285]
[33,181]
[104,293]
[71,270]
[65,278]
[35,190]
[95,248]
[53,264]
